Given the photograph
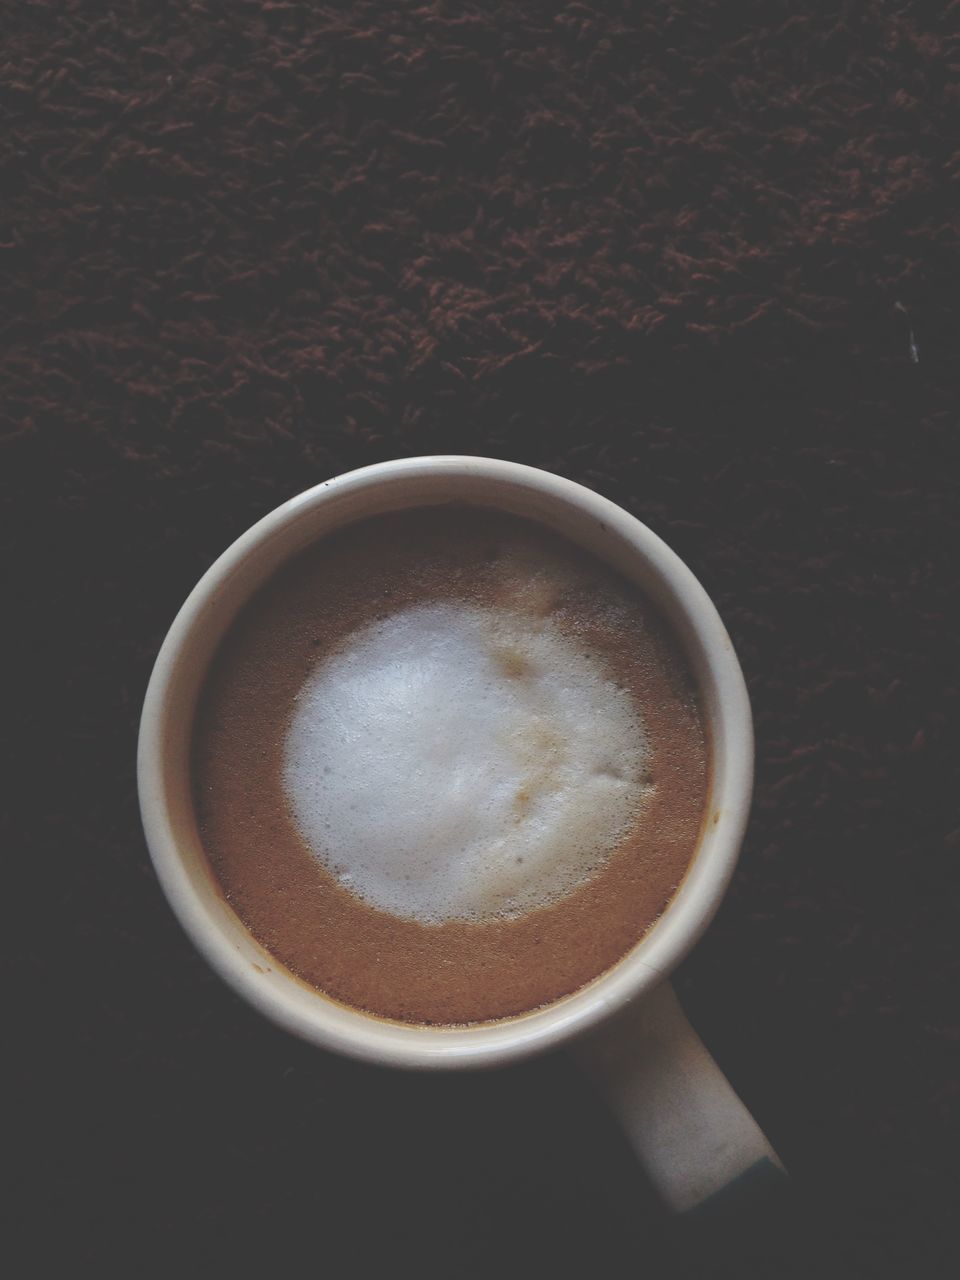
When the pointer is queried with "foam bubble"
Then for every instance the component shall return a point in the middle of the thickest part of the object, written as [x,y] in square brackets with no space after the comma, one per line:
[454,762]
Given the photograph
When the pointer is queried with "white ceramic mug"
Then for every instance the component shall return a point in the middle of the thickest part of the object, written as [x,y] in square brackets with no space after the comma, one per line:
[691,1132]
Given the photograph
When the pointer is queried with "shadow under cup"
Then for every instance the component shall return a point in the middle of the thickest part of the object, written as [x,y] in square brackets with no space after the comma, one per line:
[164,753]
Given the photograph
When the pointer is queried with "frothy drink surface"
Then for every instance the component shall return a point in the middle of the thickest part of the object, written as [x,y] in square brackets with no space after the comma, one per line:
[456,762]
[448,767]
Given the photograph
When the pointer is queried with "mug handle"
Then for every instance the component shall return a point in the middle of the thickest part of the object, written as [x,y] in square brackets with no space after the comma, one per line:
[697,1142]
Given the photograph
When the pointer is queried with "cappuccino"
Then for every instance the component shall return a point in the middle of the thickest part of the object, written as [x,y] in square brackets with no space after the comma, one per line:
[448,767]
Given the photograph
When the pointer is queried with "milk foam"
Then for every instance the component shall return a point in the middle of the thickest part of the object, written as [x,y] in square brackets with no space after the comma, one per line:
[456,762]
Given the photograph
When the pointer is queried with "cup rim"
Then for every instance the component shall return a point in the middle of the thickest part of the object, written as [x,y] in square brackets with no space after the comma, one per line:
[290,1002]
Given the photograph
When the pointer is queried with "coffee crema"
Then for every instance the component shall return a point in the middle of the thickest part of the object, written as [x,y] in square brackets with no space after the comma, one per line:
[449,767]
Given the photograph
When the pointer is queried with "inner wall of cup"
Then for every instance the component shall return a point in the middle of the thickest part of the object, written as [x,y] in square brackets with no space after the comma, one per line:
[250,562]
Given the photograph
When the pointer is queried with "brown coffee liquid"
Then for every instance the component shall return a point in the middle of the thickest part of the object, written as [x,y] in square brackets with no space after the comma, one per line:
[458,971]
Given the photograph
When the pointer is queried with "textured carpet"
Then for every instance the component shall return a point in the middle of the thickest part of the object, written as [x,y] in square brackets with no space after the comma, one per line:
[701,257]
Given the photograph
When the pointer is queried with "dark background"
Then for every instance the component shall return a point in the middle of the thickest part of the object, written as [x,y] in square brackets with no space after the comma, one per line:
[677,252]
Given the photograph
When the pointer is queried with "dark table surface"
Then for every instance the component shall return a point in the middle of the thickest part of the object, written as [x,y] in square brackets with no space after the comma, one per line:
[701,258]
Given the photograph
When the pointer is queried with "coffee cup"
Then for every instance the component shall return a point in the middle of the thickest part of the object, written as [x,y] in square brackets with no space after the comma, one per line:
[690,1130]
